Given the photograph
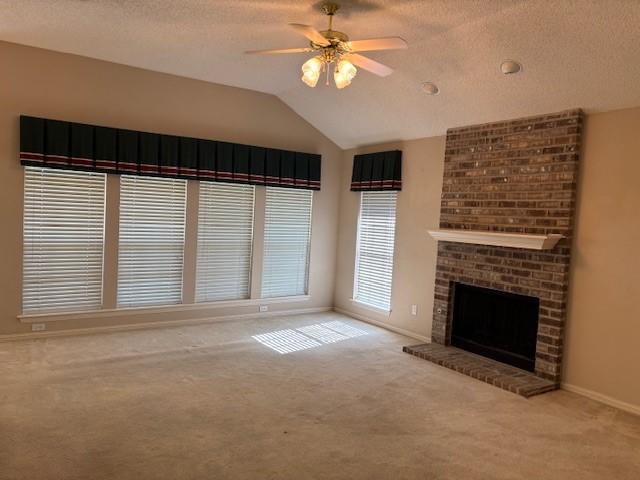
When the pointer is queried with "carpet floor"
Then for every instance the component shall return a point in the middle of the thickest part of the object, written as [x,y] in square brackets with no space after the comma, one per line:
[316,396]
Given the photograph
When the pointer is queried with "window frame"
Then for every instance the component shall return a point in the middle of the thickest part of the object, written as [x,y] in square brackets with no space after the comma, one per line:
[128,305]
[356,294]
[309,237]
[250,272]
[42,172]
[111,304]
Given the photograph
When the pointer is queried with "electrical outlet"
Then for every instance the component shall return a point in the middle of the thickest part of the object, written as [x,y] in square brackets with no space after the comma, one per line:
[414,310]
[264,308]
[38,327]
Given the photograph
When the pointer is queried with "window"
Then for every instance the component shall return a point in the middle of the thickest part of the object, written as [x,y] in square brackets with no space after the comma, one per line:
[63,235]
[225,235]
[287,232]
[152,216]
[374,250]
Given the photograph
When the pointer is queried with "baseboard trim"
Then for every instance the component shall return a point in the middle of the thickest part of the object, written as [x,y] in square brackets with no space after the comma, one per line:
[377,323]
[150,325]
[599,397]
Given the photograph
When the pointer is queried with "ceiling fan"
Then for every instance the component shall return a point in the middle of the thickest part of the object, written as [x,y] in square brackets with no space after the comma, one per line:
[334,47]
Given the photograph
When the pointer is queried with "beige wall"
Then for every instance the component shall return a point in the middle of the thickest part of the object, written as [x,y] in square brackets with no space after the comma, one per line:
[602,354]
[418,209]
[602,351]
[54,85]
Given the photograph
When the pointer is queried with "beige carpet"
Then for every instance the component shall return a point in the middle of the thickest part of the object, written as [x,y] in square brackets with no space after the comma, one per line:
[211,402]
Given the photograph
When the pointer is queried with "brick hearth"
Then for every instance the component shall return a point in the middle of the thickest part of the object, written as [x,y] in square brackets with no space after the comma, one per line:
[495,373]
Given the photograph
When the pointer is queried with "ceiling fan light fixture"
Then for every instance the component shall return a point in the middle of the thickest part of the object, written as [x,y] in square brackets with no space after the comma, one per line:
[335,50]
[341,80]
[311,71]
[346,68]
[344,73]
[311,78]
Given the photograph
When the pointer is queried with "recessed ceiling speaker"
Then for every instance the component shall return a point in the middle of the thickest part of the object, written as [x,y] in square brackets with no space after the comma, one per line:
[430,88]
[509,67]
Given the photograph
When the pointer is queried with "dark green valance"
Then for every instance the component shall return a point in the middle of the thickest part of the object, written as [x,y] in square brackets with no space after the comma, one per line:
[77,146]
[377,171]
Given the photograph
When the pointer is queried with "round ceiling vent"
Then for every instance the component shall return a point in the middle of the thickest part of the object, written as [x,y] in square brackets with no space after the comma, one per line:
[430,88]
[509,67]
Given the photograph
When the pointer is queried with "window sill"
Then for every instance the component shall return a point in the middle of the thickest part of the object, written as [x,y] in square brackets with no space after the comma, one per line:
[118,312]
[380,311]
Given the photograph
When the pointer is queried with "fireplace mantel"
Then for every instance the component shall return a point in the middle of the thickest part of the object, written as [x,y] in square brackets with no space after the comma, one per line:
[498,239]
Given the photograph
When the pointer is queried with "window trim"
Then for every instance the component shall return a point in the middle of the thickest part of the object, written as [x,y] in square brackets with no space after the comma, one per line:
[117,312]
[372,308]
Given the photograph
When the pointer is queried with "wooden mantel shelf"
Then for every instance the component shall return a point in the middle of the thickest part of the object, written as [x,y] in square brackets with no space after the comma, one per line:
[498,239]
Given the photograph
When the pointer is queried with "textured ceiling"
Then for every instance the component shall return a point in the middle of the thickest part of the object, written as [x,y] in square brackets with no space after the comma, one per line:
[576,53]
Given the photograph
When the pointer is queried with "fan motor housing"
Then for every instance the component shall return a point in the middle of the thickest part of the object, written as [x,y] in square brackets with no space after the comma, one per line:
[335,36]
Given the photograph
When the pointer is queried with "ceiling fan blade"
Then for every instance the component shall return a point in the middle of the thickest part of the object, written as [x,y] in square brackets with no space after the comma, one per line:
[369,65]
[311,33]
[281,50]
[385,43]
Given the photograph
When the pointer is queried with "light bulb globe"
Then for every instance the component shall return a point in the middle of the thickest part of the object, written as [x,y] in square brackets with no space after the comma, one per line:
[314,64]
[310,78]
[347,69]
[341,80]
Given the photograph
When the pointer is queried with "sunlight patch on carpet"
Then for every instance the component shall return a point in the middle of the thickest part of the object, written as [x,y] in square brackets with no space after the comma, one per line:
[344,329]
[310,336]
[286,341]
[321,333]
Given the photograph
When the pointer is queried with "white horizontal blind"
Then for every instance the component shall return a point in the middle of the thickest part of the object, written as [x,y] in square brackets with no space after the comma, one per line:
[63,233]
[287,231]
[225,236]
[374,251]
[151,248]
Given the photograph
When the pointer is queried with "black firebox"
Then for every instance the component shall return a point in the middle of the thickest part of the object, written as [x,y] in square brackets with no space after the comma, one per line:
[498,325]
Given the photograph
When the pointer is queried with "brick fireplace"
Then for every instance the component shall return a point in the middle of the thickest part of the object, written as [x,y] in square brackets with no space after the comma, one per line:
[516,176]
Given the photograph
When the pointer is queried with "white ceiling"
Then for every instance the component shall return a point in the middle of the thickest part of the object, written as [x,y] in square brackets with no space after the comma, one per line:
[576,53]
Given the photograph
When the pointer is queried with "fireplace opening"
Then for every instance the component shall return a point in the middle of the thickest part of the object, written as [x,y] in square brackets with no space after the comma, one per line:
[498,325]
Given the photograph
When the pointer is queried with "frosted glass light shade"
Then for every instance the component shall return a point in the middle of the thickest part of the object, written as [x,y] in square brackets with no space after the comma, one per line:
[341,80]
[311,78]
[347,69]
[311,71]
[344,73]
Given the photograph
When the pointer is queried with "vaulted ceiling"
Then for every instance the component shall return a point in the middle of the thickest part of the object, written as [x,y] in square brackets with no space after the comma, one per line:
[576,53]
